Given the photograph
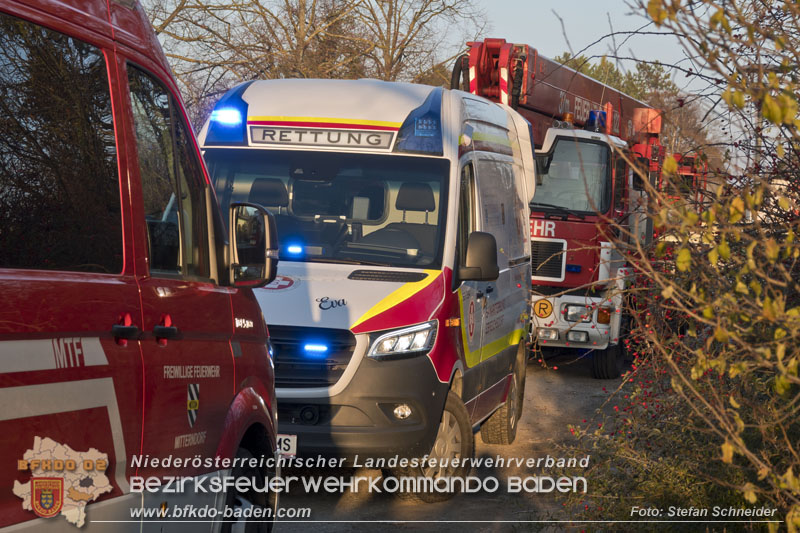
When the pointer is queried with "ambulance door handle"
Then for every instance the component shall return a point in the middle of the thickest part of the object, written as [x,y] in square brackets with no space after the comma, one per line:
[489,289]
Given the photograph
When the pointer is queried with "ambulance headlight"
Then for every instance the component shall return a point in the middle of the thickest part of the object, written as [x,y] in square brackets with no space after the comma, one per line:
[402,343]
[577,313]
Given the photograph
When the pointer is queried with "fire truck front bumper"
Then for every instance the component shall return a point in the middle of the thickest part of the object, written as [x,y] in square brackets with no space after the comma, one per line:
[576,321]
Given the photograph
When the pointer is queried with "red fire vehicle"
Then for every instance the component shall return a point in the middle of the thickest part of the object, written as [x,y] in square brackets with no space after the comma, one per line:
[587,136]
[131,344]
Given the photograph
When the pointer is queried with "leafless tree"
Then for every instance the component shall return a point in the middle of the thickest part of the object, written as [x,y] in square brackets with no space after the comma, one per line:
[213,44]
[410,36]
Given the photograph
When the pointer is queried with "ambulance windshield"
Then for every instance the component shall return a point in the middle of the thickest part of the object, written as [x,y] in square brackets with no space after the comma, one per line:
[339,207]
[574,175]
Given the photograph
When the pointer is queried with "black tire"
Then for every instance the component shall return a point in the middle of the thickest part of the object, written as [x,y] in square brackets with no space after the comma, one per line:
[501,427]
[235,499]
[454,439]
[607,364]
[522,376]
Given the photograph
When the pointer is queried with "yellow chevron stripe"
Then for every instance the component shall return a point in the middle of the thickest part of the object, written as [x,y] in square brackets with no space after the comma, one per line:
[406,291]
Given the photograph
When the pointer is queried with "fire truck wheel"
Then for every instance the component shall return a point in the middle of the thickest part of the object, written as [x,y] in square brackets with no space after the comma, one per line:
[454,440]
[242,502]
[607,364]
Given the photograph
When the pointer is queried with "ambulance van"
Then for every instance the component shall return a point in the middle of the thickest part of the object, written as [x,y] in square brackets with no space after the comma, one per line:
[399,312]
[132,346]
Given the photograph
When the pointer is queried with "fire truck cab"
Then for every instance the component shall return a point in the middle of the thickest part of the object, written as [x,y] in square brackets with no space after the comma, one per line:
[579,277]
[131,343]
[588,139]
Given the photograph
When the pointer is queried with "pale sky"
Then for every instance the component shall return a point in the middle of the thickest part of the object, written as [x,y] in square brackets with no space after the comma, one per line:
[536,23]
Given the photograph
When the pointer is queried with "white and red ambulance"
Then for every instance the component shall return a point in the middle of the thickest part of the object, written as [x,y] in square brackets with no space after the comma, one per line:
[400,309]
[129,331]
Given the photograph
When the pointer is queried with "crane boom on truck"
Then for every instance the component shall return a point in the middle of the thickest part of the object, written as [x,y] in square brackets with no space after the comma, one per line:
[585,134]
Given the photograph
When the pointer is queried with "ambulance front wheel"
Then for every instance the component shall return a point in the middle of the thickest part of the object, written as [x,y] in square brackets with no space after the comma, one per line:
[454,440]
[240,503]
[608,363]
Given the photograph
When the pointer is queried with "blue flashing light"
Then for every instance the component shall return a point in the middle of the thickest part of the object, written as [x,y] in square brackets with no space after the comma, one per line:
[228,124]
[421,133]
[294,249]
[315,349]
[573,268]
[227,115]
[597,121]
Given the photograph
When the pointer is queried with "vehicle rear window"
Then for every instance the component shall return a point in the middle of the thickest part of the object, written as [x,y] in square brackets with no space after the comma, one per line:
[59,188]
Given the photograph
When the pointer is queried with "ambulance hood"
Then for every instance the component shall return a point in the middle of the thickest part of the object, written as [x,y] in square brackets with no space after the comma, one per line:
[358,298]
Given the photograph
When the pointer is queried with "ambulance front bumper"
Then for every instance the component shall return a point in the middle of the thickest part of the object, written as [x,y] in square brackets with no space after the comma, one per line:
[359,415]
[573,322]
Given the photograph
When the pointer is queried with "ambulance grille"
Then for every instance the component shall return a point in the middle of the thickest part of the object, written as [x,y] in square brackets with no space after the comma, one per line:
[547,259]
[297,368]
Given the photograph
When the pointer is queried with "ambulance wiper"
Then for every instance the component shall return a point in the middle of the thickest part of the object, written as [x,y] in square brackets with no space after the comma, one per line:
[560,209]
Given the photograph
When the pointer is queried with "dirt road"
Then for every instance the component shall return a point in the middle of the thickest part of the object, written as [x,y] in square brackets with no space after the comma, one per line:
[553,399]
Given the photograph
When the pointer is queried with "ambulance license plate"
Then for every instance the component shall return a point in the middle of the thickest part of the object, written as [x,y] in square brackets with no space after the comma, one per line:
[287,444]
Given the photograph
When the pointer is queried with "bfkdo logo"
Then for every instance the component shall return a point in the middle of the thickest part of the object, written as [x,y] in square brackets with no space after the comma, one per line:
[63,481]
[48,495]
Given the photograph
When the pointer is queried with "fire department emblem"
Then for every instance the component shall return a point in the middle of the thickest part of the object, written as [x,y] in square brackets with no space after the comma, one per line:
[47,495]
[192,402]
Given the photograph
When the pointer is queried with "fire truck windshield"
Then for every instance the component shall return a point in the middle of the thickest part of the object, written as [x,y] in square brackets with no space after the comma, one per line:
[337,207]
[574,175]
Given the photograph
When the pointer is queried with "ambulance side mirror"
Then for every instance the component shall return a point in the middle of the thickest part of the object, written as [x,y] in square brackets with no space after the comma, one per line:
[481,261]
[254,245]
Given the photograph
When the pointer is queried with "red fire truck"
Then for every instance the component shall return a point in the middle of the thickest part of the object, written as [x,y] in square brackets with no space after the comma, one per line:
[587,138]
